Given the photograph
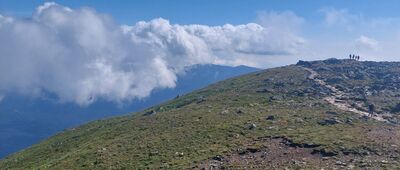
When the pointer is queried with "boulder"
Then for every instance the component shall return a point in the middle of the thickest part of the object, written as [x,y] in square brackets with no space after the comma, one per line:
[304,63]
[180,154]
[271,98]
[252,126]
[150,112]
[299,120]
[329,121]
[218,158]
[270,117]
[349,121]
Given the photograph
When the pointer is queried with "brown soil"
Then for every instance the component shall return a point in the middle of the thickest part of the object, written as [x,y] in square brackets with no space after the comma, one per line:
[279,153]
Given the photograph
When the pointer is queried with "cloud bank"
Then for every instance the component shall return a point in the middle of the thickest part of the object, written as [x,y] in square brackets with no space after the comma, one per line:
[82,56]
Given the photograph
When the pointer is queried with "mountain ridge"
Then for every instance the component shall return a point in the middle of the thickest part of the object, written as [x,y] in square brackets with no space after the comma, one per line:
[274,118]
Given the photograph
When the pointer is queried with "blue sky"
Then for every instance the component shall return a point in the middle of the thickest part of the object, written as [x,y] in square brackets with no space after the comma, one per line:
[207,11]
[122,50]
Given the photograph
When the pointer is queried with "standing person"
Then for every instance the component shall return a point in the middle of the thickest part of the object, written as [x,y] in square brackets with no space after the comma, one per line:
[371,109]
[350,56]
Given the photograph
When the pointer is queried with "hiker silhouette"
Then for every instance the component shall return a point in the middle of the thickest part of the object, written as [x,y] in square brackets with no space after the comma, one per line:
[371,110]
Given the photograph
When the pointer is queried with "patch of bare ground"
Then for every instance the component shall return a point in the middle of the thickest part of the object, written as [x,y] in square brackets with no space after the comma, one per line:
[388,139]
[390,135]
[282,153]
[337,95]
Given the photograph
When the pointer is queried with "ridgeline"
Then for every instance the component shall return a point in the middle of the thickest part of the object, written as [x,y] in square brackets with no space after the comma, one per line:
[311,115]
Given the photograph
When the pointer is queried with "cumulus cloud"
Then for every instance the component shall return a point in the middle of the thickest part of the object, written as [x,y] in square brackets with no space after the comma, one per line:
[81,55]
[366,43]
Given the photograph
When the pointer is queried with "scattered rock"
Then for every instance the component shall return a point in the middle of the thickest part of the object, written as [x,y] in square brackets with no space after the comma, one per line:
[290,143]
[340,163]
[334,80]
[239,111]
[331,113]
[365,118]
[213,165]
[253,150]
[236,136]
[324,153]
[395,109]
[201,99]
[264,91]
[364,164]
[329,121]
[349,121]
[271,98]
[218,158]
[252,126]
[150,112]
[299,120]
[303,63]
[351,166]
[270,117]
[180,154]
[225,111]
[153,153]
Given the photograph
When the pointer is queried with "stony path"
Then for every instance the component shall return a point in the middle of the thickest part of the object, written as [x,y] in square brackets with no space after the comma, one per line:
[337,96]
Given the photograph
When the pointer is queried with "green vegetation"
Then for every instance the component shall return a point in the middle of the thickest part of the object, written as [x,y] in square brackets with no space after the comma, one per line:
[217,120]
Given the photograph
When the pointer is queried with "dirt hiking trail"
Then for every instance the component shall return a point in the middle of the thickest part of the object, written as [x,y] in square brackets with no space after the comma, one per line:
[337,97]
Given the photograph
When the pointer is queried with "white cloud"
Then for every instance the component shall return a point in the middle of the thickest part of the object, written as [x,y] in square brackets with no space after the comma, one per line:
[345,31]
[81,55]
[4,20]
[366,43]
[286,20]
[338,16]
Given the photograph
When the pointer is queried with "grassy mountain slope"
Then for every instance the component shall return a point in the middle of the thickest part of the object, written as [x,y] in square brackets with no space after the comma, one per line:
[25,121]
[274,118]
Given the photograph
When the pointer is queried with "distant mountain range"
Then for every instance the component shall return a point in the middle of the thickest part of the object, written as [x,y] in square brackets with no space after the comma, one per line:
[25,121]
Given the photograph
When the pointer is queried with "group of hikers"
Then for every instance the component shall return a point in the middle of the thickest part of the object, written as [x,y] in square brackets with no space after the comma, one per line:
[354,57]
[371,107]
